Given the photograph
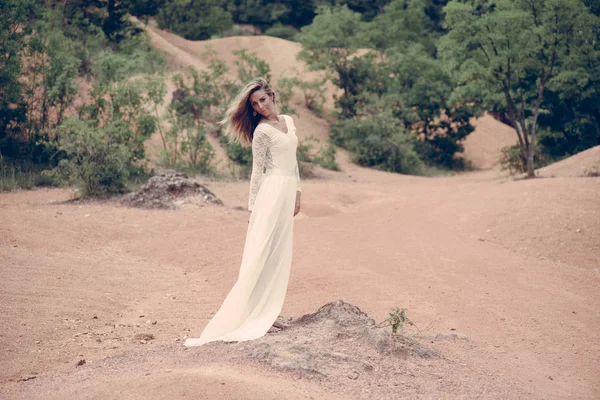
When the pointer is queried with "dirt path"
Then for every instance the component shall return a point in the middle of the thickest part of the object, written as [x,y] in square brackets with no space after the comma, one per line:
[511,267]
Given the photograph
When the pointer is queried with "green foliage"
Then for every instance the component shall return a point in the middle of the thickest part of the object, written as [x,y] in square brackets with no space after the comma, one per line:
[261,13]
[194,19]
[285,91]
[572,113]
[402,23]
[143,8]
[310,152]
[331,44]
[96,159]
[194,112]
[53,67]
[314,94]
[511,159]
[250,66]
[378,142]
[28,176]
[368,9]
[15,27]
[332,38]
[282,31]
[105,145]
[506,57]
[397,319]
[428,106]
[105,17]
[187,138]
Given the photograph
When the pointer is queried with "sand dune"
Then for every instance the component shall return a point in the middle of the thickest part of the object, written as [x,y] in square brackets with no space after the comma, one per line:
[586,163]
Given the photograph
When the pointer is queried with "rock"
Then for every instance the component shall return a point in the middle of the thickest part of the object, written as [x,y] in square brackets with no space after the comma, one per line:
[353,375]
[80,363]
[168,190]
[144,336]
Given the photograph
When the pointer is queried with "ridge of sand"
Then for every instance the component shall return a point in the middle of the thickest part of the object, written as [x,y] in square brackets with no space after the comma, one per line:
[582,164]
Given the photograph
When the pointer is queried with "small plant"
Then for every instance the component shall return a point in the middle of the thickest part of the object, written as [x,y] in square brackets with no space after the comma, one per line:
[285,91]
[325,156]
[250,66]
[314,95]
[397,319]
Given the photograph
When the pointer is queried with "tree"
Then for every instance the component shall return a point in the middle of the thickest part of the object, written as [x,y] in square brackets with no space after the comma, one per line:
[194,19]
[368,9]
[422,96]
[401,24]
[505,57]
[572,120]
[15,25]
[331,44]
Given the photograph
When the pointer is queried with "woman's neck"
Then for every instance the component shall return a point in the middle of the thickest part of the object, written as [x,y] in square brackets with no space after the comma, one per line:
[273,117]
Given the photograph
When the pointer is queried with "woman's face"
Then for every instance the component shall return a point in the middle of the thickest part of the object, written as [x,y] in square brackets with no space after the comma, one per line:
[262,103]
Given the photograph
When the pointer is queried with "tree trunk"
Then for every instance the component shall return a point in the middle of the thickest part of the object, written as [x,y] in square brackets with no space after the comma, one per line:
[530,153]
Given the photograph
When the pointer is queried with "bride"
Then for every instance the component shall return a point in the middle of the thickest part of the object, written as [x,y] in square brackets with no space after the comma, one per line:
[256,299]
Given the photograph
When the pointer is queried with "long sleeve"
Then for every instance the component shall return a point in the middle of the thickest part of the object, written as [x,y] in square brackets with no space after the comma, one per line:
[261,144]
[297,173]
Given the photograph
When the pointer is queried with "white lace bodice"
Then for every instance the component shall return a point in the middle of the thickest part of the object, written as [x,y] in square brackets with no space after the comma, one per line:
[273,149]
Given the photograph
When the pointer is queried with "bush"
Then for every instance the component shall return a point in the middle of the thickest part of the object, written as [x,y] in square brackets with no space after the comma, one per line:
[314,95]
[282,32]
[98,163]
[194,19]
[512,161]
[325,156]
[27,176]
[379,142]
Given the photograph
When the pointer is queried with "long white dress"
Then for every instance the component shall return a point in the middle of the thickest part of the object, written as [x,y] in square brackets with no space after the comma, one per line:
[256,299]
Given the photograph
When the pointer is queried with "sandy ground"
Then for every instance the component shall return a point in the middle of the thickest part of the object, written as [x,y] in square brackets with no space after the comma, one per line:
[510,266]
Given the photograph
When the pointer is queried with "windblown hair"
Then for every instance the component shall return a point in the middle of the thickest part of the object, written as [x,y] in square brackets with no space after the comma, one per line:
[239,122]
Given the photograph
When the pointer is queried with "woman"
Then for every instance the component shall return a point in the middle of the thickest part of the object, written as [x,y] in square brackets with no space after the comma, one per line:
[256,299]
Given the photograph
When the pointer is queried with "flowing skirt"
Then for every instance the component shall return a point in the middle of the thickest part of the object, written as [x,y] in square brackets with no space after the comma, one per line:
[256,299]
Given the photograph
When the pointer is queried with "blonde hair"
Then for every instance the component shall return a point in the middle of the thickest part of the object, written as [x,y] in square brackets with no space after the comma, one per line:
[239,120]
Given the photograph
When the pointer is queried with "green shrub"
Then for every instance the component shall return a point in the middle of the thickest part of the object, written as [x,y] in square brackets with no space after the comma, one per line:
[282,31]
[325,157]
[236,152]
[194,19]
[512,161]
[378,142]
[305,162]
[98,163]
[28,176]
[306,155]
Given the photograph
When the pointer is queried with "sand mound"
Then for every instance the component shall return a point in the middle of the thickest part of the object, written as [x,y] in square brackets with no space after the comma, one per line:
[170,190]
[483,146]
[337,341]
[586,163]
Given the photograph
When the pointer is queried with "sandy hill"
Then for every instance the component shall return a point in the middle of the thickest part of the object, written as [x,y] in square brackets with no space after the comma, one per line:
[586,163]
[482,147]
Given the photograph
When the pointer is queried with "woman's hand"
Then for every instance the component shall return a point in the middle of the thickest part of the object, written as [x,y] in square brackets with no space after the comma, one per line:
[297,208]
